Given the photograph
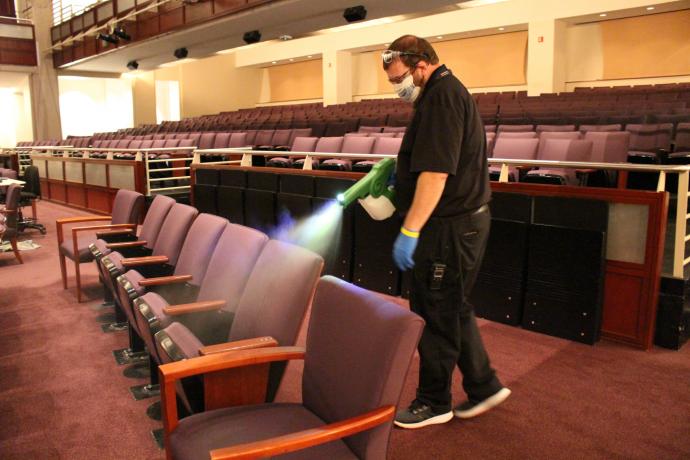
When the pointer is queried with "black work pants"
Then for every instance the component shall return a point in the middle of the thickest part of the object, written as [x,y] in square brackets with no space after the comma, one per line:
[447,259]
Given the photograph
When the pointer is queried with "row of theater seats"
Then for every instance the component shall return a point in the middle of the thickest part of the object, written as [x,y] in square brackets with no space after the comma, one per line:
[644,104]
[600,147]
[643,137]
[195,287]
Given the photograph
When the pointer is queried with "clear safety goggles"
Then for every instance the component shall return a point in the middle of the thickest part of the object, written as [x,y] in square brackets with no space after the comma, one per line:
[389,55]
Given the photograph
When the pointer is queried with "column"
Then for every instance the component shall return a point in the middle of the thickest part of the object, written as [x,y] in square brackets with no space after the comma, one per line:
[546,58]
[337,77]
[45,104]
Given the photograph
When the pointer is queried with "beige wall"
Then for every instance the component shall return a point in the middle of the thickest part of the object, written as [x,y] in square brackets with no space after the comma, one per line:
[597,55]
[207,86]
[144,98]
[294,82]
[647,46]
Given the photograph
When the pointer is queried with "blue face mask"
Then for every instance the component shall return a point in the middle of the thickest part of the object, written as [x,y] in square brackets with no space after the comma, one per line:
[406,89]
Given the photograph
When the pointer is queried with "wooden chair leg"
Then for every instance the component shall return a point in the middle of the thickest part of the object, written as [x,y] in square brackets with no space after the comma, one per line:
[13,242]
[78,273]
[63,270]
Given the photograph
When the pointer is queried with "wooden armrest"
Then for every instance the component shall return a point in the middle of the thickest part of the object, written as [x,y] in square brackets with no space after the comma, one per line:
[585,171]
[126,244]
[194,307]
[101,227]
[248,344]
[174,371]
[306,438]
[113,233]
[71,220]
[149,260]
[161,280]
[8,211]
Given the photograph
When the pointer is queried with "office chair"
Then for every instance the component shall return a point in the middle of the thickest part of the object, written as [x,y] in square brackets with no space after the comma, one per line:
[30,193]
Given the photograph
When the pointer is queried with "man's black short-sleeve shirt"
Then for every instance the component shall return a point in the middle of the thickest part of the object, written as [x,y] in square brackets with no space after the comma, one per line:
[445,135]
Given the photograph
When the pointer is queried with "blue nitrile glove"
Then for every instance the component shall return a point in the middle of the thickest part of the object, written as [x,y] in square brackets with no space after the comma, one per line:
[404,247]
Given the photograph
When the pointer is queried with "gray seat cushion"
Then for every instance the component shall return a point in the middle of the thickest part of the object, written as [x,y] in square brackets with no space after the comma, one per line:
[198,434]
[83,242]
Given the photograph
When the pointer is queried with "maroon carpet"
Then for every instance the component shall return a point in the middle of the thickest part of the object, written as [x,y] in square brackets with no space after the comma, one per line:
[63,396]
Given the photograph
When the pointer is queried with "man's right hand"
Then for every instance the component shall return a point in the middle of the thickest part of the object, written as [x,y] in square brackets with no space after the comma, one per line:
[404,248]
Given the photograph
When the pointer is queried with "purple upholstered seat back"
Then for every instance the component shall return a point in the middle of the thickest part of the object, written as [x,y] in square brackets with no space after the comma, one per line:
[206,140]
[160,206]
[546,135]
[277,294]
[238,140]
[517,149]
[233,260]
[387,145]
[358,144]
[304,144]
[174,231]
[127,207]
[329,144]
[609,146]
[359,348]
[199,245]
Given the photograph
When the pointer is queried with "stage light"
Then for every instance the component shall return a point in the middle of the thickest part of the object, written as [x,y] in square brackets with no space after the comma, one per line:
[108,38]
[120,32]
[181,53]
[132,65]
[252,36]
[355,13]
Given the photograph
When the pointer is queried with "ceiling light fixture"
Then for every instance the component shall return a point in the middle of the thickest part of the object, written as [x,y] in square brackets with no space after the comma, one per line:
[603,15]
[650,8]
[501,28]
[252,36]
[132,65]
[120,32]
[355,13]
[440,37]
[181,53]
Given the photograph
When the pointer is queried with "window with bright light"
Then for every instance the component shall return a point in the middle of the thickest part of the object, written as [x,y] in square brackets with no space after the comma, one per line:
[63,10]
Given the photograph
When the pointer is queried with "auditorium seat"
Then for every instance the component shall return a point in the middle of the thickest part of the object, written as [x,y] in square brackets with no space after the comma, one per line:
[275,298]
[350,145]
[299,144]
[9,219]
[323,145]
[229,269]
[127,241]
[127,207]
[514,149]
[515,128]
[335,387]
[382,146]
[180,285]
[587,128]
[554,128]
[168,244]
[560,150]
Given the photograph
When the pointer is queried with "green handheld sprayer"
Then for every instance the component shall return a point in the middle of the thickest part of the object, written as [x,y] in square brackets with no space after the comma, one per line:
[372,191]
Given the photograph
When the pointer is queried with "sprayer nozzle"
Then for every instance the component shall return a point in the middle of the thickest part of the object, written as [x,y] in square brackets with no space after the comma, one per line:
[341,198]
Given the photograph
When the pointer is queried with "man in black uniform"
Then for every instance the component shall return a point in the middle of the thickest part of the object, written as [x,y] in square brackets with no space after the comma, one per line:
[442,188]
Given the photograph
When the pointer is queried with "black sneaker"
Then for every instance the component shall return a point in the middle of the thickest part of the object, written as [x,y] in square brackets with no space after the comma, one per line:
[419,415]
[470,408]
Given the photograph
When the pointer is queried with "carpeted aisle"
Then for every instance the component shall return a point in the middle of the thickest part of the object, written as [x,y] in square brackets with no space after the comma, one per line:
[63,396]
[61,393]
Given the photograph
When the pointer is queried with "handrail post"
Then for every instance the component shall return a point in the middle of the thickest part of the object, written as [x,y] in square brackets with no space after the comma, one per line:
[661,185]
[505,173]
[308,163]
[148,173]
[681,225]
